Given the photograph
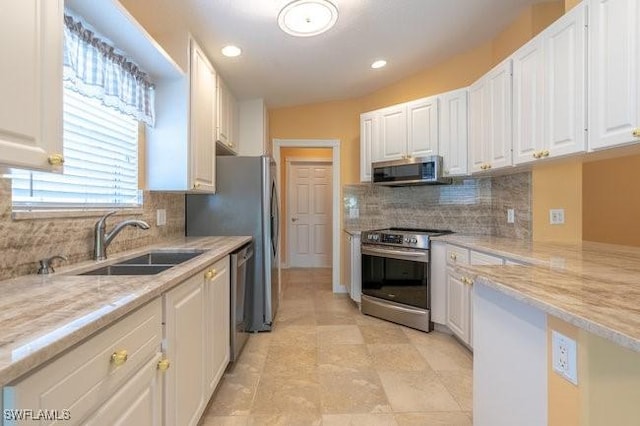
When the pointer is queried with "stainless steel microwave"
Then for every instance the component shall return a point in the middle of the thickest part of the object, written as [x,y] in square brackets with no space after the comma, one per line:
[409,171]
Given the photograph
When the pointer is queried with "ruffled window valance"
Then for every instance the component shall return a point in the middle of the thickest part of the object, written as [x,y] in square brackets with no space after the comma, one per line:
[96,69]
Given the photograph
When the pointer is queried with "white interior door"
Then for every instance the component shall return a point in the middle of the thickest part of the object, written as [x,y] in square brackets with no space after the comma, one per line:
[309,214]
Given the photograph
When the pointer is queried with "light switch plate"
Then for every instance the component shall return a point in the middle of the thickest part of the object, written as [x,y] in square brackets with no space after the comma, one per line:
[511,215]
[556,216]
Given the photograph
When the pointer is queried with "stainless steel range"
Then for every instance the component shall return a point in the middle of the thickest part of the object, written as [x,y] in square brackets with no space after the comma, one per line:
[396,275]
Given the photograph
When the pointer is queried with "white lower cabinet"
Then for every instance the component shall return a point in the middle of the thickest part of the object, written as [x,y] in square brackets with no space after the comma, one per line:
[460,290]
[438,282]
[98,373]
[217,293]
[352,277]
[138,402]
[197,342]
[185,331]
[458,306]
[134,372]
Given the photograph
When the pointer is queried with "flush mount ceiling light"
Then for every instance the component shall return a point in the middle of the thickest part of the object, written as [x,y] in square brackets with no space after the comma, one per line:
[306,18]
[378,64]
[231,51]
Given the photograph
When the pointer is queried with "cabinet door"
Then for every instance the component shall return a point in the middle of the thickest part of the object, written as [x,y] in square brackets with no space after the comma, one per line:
[478,126]
[500,136]
[218,328]
[565,80]
[31,83]
[422,127]
[185,333]
[453,125]
[458,306]
[233,142]
[614,51]
[369,142]
[138,402]
[222,129]
[202,152]
[528,101]
[393,132]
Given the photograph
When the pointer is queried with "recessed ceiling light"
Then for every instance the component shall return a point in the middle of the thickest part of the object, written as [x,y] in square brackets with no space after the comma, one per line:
[231,51]
[378,64]
[306,18]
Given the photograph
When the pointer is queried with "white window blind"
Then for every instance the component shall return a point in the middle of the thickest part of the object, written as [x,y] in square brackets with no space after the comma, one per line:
[101,161]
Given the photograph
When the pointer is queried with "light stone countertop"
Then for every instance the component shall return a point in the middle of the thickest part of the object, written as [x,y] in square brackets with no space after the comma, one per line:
[594,286]
[41,316]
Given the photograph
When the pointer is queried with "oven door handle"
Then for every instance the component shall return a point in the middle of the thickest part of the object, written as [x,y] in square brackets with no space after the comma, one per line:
[422,257]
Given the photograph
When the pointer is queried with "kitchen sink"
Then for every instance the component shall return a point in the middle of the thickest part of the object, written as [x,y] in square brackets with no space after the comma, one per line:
[163,257]
[120,269]
[150,263]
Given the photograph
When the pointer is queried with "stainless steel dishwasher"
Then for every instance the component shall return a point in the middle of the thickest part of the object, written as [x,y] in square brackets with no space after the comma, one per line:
[241,272]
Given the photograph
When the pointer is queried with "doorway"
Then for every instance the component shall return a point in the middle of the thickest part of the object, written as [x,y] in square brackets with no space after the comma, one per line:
[308,212]
[279,146]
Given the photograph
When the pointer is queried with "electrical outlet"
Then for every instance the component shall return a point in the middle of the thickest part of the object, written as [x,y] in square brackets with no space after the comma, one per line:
[556,216]
[564,356]
[511,215]
[161,217]
[354,213]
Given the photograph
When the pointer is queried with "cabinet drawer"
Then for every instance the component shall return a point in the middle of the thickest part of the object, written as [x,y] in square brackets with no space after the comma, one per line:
[82,378]
[457,255]
[478,258]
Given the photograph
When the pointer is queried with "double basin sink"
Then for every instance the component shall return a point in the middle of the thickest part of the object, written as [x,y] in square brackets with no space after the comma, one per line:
[150,263]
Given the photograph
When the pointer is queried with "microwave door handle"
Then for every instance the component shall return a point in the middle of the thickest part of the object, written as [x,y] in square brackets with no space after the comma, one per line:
[396,254]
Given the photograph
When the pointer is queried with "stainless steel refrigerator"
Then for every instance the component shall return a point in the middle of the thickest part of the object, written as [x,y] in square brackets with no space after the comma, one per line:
[245,203]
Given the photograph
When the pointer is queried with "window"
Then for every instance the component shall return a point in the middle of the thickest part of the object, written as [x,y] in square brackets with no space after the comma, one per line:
[101,161]
[106,96]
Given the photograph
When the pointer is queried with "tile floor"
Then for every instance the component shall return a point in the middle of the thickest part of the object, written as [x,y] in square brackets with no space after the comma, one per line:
[327,364]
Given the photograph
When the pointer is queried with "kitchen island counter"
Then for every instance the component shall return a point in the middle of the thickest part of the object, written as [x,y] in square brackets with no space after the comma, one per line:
[593,286]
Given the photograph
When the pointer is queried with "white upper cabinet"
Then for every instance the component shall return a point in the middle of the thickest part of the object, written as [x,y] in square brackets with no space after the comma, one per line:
[202,97]
[31,84]
[614,67]
[490,136]
[227,117]
[180,148]
[422,127]
[368,140]
[549,76]
[453,132]
[393,133]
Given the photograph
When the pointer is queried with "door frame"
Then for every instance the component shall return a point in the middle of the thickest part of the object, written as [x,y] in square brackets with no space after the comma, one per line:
[290,162]
[334,144]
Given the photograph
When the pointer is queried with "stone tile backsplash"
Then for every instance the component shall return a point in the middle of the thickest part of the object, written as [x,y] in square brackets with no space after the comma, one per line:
[24,242]
[470,205]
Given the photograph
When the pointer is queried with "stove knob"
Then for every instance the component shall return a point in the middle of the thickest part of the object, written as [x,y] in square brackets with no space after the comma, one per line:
[414,241]
[406,240]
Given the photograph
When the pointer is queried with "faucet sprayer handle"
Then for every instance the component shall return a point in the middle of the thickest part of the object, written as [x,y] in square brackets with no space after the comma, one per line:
[45,264]
[103,220]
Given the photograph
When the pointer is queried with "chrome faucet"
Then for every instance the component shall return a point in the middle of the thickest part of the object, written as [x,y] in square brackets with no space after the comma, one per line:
[103,239]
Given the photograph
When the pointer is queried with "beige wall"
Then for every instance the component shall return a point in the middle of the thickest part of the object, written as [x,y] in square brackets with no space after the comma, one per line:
[557,185]
[563,397]
[611,204]
[288,154]
[608,389]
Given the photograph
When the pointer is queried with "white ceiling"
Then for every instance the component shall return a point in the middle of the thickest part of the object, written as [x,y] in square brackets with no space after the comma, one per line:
[410,34]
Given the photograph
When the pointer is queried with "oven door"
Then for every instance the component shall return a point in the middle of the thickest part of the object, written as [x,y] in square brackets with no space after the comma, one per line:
[395,274]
